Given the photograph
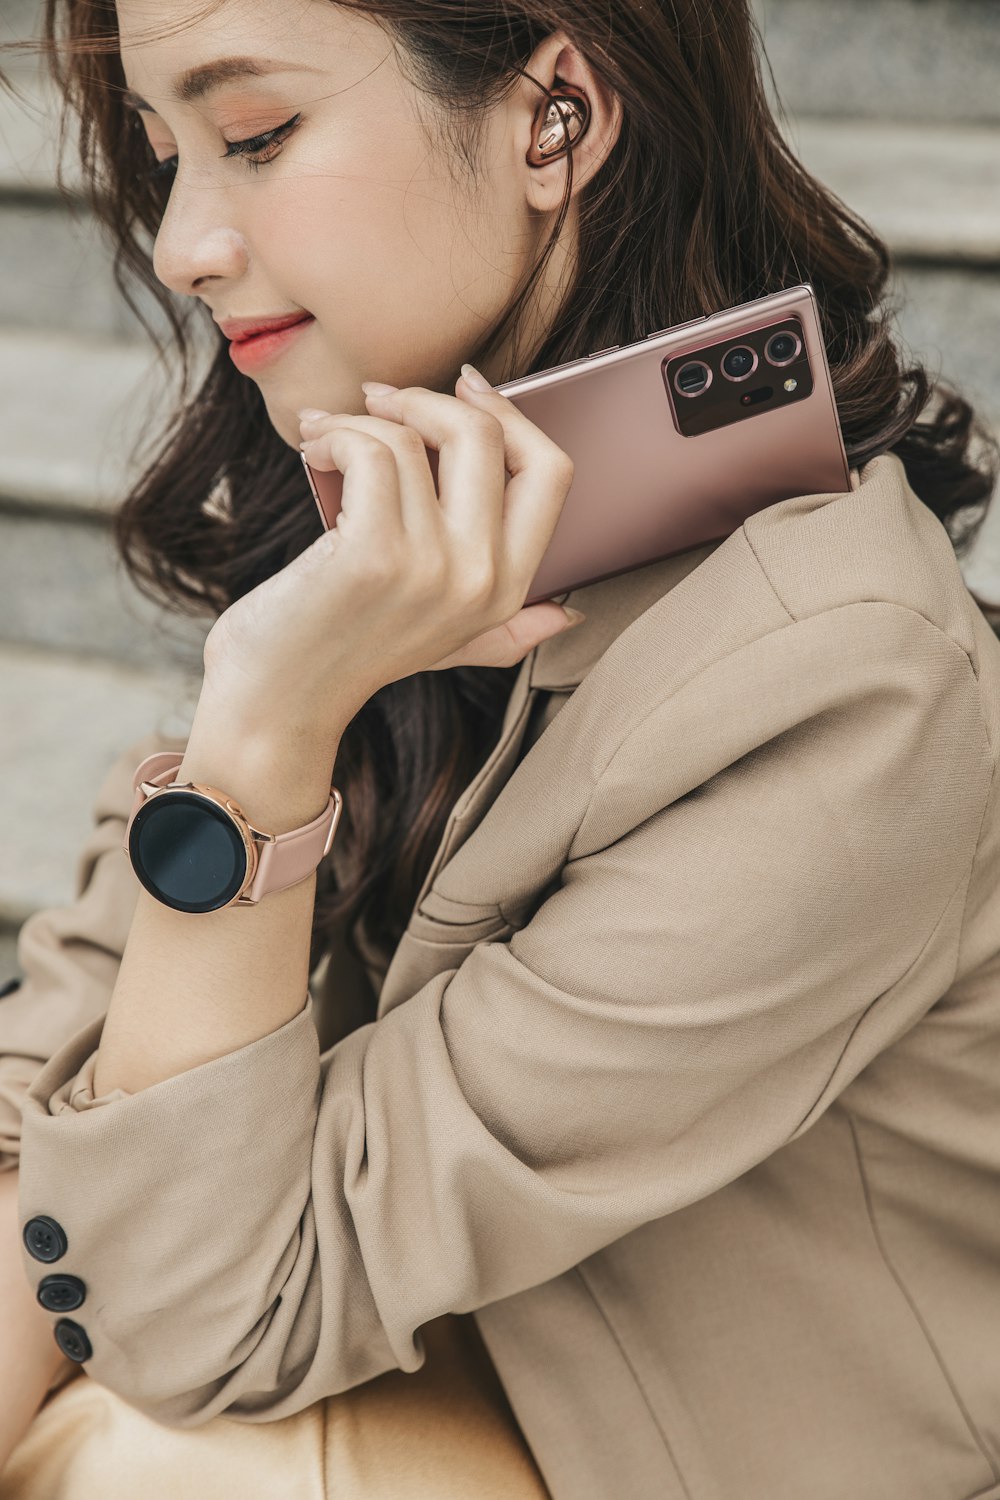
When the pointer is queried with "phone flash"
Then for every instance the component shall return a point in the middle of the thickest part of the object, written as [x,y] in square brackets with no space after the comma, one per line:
[790,385]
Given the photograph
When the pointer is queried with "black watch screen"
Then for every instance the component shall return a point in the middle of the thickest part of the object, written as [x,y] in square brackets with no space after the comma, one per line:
[187,852]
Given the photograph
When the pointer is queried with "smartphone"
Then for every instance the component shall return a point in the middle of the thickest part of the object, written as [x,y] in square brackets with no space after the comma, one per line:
[676,439]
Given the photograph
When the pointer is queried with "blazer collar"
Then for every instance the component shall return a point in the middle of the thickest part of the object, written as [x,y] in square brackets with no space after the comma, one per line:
[611,604]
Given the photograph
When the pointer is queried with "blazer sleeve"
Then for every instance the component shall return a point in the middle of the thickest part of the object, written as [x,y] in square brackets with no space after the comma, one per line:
[69,955]
[763,862]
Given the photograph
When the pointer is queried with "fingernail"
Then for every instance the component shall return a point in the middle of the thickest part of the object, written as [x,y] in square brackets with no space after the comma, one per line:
[574,615]
[377,388]
[474,379]
[310,414]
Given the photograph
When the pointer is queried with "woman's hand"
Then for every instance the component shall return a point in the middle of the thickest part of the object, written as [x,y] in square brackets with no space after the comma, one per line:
[409,579]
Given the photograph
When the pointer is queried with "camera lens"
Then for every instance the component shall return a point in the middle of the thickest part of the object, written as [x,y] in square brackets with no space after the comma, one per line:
[693,378]
[782,348]
[739,363]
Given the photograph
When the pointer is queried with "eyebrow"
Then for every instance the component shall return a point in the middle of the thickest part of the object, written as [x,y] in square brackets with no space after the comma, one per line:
[207,77]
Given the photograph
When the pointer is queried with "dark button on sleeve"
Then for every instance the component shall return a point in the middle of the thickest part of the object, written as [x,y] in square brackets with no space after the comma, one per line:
[9,987]
[61,1293]
[73,1340]
[44,1238]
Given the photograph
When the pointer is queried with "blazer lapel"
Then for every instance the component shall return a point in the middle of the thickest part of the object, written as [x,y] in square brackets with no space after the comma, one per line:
[470,805]
[611,604]
[559,664]
[442,931]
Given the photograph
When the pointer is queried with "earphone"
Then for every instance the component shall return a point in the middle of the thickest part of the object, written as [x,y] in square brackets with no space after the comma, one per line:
[566,119]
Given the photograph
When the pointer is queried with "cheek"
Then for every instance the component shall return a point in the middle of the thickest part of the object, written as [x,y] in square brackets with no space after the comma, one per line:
[390,254]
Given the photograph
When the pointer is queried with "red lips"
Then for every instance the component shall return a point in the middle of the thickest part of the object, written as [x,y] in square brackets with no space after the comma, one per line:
[241,329]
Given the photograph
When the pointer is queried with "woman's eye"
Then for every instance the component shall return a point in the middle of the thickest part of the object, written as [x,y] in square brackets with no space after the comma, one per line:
[256,150]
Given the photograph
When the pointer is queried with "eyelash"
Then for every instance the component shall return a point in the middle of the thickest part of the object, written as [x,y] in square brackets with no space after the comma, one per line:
[254,143]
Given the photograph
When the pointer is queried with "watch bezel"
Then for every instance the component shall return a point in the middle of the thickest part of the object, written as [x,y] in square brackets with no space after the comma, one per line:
[215,804]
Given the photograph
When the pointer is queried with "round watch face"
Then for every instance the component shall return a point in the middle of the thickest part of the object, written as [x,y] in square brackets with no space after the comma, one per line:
[187,851]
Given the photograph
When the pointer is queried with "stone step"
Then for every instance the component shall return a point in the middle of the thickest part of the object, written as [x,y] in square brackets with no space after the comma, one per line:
[981,569]
[929,60]
[20,19]
[8,955]
[947,320]
[63,587]
[951,319]
[70,412]
[57,274]
[64,721]
[57,262]
[932,191]
[29,129]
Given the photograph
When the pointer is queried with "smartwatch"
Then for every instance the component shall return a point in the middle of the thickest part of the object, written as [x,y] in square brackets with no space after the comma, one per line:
[195,850]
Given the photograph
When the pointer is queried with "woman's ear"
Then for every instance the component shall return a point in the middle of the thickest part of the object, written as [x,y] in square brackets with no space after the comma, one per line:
[553,62]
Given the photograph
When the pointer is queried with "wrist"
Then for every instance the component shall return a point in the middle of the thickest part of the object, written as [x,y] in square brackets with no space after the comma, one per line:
[280,779]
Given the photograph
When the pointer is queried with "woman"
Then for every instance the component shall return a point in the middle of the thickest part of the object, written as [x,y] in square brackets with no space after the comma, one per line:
[644,1086]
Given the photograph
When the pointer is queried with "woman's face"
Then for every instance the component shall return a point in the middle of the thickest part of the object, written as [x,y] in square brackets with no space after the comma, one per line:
[402,259]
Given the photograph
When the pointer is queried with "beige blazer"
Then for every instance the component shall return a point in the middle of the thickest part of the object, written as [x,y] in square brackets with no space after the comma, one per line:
[685,1080]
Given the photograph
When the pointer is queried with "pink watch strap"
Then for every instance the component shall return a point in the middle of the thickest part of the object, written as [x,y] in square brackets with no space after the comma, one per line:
[284,861]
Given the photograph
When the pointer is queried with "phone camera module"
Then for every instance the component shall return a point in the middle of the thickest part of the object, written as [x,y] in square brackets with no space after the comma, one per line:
[739,363]
[782,348]
[693,378]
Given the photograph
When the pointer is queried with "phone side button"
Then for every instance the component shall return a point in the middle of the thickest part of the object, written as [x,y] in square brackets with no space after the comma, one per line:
[609,350]
[676,327]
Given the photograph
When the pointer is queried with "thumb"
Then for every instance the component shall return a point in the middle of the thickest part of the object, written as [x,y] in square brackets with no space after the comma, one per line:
[540,622]
[573,617]
[506,645]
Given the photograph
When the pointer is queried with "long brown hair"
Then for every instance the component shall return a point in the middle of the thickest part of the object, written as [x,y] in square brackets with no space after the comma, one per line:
[699,206]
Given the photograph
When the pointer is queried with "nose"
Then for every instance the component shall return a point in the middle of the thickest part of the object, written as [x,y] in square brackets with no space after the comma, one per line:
[197,241]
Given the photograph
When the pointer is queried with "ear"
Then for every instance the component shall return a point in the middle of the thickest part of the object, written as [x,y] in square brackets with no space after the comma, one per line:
[557,60]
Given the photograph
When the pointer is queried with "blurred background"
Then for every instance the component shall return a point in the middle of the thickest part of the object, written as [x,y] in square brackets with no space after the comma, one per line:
[893,103]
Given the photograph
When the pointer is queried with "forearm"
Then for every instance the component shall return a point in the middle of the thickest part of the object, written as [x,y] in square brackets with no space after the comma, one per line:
[29,1355]
[194,987]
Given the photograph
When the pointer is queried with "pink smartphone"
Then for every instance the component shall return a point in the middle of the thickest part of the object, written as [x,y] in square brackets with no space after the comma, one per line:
[677,438]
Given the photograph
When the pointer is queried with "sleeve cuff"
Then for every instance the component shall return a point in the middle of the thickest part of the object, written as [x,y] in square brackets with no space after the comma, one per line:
[78,1093]
[184,1206]
[68,1083]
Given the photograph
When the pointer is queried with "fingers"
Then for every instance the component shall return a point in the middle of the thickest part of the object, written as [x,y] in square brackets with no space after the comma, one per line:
[526,446]
[502,526]
[398,479]
[470,464]
[541,475]
[524,511]
[371,505]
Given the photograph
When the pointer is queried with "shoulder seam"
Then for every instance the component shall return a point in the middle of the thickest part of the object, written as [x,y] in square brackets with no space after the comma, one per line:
[892,603]
[767,576]
[708,666]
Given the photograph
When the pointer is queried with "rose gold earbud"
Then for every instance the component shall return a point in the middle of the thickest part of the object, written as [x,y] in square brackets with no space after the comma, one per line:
[566,120]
